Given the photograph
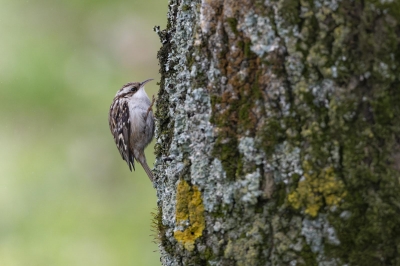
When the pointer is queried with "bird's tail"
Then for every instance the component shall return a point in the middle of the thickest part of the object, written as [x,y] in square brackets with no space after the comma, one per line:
[147,170]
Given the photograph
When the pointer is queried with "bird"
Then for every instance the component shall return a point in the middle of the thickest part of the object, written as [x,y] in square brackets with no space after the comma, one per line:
[131,123]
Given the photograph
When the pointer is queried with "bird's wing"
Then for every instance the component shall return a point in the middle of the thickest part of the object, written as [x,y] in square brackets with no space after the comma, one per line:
[122,134]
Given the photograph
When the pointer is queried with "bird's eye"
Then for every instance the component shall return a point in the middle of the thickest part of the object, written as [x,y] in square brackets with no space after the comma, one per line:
[134,89]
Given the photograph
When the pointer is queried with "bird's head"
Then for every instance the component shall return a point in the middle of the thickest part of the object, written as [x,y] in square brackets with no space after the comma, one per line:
[132,88]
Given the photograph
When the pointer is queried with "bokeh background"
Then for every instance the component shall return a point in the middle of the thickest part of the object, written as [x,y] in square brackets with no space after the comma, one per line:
[66,196]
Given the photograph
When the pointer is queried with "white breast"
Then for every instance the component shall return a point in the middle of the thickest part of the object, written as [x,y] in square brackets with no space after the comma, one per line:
[139,105]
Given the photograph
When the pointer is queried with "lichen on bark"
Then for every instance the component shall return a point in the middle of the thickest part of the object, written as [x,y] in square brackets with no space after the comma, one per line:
[278,132]
[189,214]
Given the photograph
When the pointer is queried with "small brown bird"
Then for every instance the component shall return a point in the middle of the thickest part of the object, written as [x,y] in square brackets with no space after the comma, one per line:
[132,123]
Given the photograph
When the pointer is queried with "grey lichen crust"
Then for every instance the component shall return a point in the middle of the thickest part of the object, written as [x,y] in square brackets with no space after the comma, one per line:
[268,122]
[188,124]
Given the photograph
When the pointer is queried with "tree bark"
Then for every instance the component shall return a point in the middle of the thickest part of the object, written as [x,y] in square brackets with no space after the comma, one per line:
[278,133]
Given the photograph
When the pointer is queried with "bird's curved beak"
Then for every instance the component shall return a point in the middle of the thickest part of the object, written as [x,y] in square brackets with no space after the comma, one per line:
[144,82]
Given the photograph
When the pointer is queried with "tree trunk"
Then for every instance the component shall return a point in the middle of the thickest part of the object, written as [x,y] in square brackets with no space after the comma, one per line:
[278,133]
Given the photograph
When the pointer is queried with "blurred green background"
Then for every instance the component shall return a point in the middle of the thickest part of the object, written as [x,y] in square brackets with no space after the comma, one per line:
[66,196]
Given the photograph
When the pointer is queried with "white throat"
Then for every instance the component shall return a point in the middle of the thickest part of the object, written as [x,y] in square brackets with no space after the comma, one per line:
[140,94]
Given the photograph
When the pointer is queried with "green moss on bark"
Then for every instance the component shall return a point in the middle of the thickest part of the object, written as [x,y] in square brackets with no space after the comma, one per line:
[355,126]
[165,124]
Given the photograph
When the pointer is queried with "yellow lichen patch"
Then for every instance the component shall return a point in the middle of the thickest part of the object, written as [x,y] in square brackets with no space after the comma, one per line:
[182,201]
[189,206]
[317,189]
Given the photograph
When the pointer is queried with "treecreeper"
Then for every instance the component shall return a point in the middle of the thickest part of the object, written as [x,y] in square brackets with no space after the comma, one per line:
[131,123]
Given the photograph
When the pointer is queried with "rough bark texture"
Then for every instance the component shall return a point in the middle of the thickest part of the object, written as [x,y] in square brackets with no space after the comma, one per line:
[278,133]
